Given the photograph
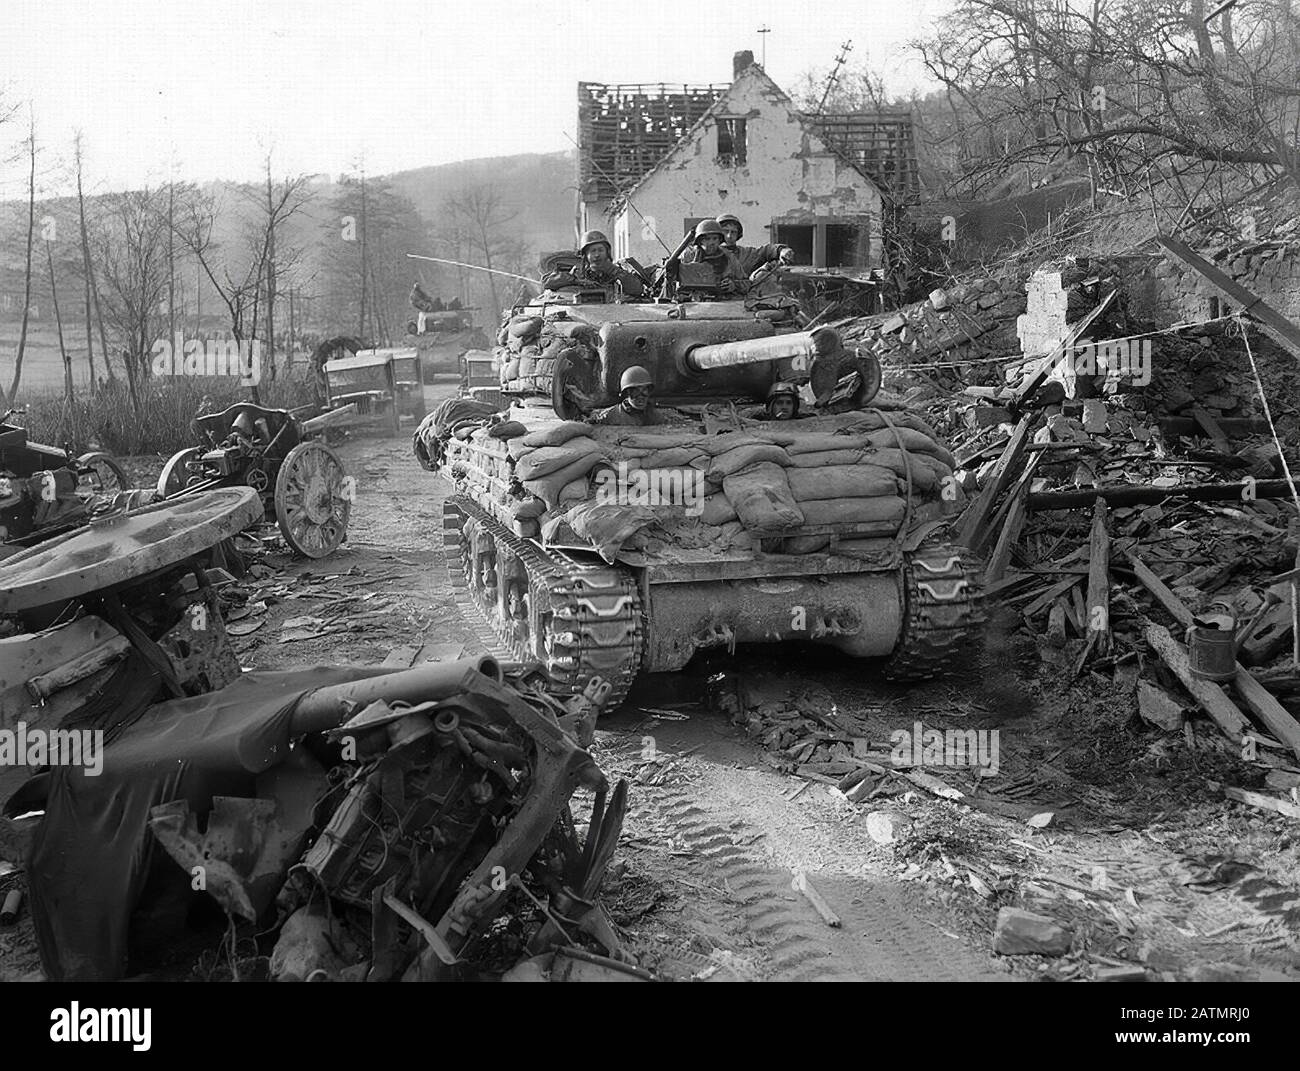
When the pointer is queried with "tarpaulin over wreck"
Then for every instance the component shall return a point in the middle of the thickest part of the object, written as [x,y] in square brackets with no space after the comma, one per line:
[93,853]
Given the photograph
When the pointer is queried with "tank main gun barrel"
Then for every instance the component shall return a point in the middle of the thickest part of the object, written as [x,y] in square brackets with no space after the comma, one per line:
[823,342]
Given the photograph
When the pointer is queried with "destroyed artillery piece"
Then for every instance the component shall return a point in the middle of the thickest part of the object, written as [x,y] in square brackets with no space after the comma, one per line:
[98,623]
[424,803]
[384,822]
[300,480]
[611,550]
[45,490]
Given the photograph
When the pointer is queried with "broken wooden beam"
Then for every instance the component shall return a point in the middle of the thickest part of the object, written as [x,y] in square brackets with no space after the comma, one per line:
[974,523]
[1061,587]
[1256,698]
[1098,600]
[1259,799]
[1211,428]
[1131,495]
[1206,693]
[1013,520]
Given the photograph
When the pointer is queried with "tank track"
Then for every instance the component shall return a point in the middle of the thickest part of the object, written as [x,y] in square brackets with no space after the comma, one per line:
[590,615]
[943,609]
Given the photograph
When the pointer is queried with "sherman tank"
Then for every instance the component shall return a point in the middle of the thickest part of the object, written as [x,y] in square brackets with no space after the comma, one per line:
[601,551]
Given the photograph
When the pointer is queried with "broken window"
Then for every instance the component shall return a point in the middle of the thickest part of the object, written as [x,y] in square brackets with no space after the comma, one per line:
[842,246]
[799,238]
[731,142]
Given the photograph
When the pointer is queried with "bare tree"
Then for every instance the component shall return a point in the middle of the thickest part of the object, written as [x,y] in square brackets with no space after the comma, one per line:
[1132,86]
[58,324]
[27,271]
[88,272]
[476,218]
[277,202]
[366,278]
[133,253]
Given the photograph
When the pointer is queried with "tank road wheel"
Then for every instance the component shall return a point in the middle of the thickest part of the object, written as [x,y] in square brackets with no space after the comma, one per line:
[175,474]
[944,608]
[574,620]
[311,505]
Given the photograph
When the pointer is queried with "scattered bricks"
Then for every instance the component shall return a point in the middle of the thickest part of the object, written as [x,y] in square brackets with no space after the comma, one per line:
[1177,398]
[894,323]
[987,301]
[1022,933]
[1224,402]
[938,299]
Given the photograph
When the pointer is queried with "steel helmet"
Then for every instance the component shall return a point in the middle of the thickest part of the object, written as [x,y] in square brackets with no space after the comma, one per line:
[781,389]
[636,376]
[707,226]
[729,218]
[594,238]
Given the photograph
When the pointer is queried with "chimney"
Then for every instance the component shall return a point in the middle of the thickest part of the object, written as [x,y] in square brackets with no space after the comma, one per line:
[740,61]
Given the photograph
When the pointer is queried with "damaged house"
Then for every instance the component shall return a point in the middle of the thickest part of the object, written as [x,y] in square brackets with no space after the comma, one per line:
[655,160]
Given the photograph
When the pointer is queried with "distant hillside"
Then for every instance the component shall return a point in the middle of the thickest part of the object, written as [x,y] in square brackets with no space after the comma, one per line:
[539,186]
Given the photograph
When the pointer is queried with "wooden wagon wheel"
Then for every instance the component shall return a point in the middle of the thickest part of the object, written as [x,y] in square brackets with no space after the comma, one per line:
[115,549]
[312,499]
[175,474]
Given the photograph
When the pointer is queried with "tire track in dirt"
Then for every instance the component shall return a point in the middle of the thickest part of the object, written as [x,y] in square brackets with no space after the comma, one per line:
[883,937]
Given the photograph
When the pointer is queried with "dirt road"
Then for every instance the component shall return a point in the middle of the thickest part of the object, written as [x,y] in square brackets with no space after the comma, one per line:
[719,844]
[731,868]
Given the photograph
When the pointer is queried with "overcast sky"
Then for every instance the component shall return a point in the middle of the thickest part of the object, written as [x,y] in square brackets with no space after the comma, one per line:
[209,87]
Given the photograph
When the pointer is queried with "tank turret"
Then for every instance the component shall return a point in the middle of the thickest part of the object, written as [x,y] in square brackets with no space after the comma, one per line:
[698,353]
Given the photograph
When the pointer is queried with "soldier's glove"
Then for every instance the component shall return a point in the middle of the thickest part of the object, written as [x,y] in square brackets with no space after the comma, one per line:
[787,255]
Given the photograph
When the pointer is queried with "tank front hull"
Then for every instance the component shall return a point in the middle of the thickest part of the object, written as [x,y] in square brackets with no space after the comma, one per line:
[860,613]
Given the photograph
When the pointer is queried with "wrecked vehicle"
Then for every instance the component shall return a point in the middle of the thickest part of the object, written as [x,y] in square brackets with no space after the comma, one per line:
[44,490]
[300,480]
[610,550]
[98,624]
[382,821]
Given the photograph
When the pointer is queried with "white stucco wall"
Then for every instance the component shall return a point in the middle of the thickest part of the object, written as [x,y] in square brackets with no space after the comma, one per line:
[788,175]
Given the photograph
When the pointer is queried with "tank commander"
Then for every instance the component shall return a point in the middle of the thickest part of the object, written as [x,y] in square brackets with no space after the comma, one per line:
[634,408]
[598,268]
[708,248]
[751,257]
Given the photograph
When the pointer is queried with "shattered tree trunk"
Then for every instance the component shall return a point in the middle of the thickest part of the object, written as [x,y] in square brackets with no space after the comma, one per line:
[58,324]
[27,284]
